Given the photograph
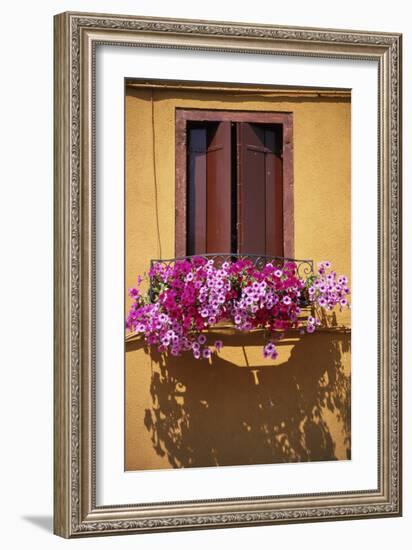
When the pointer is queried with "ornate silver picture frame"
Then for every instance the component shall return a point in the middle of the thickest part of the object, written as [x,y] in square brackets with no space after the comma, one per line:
[77,511]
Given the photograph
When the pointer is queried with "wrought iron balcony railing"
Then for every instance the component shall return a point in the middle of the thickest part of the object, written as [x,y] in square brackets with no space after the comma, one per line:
[304,268]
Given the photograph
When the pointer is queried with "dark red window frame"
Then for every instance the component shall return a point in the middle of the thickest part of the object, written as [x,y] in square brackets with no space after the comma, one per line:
[184,117]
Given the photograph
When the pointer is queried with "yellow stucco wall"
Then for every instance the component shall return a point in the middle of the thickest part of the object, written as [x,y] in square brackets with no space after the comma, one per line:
[322,205]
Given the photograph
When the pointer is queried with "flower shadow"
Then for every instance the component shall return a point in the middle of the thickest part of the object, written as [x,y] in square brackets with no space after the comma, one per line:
[219,414]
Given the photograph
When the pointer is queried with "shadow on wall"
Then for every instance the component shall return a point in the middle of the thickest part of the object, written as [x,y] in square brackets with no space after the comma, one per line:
[220,414]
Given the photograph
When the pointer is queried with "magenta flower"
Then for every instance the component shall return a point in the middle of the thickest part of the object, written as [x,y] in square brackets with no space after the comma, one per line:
[189,297]
[133,292]
[218,345]
[270,347]
[270,351]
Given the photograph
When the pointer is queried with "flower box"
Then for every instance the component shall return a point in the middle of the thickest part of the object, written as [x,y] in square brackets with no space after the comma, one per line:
[187,296]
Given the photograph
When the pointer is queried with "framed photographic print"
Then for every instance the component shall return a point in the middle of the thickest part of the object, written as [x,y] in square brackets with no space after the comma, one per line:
[227,274]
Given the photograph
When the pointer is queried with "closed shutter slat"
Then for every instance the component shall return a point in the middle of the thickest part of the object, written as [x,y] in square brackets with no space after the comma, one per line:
[196,235]
[260,210]
[219,178]
[274,196]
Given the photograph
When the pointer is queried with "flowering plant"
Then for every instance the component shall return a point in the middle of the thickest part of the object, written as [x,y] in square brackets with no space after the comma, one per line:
[190,296]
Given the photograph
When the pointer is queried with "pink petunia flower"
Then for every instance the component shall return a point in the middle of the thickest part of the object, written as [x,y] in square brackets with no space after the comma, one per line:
[218,345]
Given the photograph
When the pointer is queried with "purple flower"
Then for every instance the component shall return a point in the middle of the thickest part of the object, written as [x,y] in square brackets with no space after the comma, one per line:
[310,328]
[133,292]
[218,345]
[206,353]
[270,351]
[193,294]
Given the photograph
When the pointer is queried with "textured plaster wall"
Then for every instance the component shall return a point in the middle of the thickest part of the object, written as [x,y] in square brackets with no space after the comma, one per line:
[322,231]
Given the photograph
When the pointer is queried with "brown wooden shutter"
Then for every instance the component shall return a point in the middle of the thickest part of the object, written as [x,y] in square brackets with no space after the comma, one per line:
[209,188]
[196,204]
[260,200]
[219,196]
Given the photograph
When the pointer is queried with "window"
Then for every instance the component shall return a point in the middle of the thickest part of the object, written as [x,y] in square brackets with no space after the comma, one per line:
[234,186]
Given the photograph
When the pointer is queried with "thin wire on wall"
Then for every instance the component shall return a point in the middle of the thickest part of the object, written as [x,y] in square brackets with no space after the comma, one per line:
[159,243]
